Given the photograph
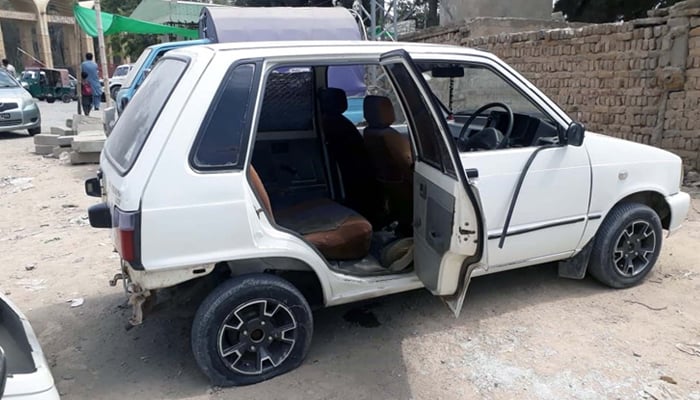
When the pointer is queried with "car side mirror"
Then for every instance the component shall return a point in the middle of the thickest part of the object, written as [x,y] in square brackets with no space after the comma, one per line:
[574,134]
[24,85]
[3,372]
[146,72]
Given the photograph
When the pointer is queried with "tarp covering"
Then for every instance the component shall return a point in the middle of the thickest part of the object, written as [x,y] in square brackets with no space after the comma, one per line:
[112,24]
[256,24]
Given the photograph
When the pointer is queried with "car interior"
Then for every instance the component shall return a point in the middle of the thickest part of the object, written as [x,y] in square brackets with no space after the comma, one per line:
[347,189]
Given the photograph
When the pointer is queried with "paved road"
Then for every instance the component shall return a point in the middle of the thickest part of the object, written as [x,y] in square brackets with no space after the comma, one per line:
[56,114]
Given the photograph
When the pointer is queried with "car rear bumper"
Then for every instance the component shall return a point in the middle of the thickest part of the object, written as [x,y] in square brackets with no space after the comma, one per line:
[679,204]
[17,119]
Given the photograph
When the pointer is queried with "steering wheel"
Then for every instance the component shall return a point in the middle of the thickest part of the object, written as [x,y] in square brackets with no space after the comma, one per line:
[506,134]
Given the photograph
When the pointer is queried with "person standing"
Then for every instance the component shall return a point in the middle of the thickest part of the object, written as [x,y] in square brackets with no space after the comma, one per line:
[89,67]
[9,67]
[86,94]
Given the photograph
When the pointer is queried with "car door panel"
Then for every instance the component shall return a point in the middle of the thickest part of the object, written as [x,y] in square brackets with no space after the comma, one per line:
[443,250]
[433,218]
[551,208]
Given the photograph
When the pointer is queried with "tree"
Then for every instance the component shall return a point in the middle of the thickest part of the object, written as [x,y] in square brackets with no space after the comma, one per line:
[599,11]
[126,44]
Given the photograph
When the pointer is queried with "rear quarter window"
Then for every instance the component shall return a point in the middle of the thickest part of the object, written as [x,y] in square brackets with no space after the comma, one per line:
[136,121]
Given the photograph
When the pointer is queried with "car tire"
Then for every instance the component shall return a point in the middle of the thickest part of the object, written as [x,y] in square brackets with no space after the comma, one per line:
[627,245]
[251,328]
[34,131]
[50,100]
[113,92]
[66,98]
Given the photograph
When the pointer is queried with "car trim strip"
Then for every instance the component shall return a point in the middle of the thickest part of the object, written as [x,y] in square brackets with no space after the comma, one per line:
[521,231]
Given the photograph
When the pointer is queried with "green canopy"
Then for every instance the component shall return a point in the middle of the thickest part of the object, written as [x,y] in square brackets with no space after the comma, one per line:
[112,24]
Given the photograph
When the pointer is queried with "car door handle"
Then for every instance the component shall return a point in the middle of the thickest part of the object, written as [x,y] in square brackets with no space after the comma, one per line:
[422,190]
[472,173]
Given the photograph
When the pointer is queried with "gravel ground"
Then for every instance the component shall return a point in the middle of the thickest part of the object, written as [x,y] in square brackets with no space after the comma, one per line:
[523,334]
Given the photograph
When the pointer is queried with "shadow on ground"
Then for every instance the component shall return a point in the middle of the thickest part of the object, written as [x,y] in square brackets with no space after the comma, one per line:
[349,357]
[13,135]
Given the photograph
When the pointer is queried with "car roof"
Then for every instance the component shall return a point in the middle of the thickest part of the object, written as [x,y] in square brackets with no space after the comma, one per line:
[290,48]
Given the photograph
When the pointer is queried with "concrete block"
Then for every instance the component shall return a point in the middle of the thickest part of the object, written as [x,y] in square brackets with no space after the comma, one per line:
[65,141]
[84,158]
[44,149]
[88,144]
[82,123]
[46,139]
[57,130]
[93,133]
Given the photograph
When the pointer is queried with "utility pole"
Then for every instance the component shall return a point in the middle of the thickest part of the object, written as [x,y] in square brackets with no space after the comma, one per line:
[103,55]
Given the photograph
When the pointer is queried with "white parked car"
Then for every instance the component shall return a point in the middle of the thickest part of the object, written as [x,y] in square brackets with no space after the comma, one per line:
[230,162]
[24,372]
[117,80]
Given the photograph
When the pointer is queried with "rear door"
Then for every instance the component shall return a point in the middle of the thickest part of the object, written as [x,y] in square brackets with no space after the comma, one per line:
[448,232]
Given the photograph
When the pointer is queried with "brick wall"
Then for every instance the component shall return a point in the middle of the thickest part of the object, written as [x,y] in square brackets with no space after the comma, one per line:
[638,80]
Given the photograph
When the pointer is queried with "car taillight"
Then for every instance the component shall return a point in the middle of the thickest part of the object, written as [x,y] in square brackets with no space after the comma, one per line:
[126,235]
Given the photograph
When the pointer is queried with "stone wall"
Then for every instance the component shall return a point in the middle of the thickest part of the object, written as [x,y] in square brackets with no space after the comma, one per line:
[638,80]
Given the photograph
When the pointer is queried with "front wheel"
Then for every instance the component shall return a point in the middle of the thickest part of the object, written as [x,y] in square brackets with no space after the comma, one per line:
[114,91]
[34,131]
[251,328]
[627,245]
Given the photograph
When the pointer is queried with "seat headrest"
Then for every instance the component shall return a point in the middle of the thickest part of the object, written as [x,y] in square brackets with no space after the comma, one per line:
[333,101]
[379,112]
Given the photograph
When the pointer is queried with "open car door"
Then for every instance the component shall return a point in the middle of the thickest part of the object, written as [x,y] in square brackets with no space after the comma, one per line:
[447,223]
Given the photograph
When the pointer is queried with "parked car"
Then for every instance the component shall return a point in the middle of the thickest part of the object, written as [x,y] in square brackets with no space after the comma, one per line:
[118,78]
[24,372]
[234,163]
[18,110]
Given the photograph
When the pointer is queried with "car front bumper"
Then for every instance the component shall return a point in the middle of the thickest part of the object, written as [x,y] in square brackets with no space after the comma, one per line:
[679,204]
[18,119]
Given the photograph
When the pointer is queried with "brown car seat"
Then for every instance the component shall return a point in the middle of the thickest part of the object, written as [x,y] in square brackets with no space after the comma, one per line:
[338,232]
[346,147]
[390,152]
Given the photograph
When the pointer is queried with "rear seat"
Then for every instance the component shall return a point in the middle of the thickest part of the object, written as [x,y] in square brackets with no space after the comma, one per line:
[338,232]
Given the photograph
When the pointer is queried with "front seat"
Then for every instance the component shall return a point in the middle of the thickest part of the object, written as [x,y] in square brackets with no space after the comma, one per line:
[390,152]
[338,232]
[347,149]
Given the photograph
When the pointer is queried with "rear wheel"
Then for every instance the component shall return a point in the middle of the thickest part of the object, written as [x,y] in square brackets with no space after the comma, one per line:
[626,246]
[66,98]
[251,328]
[50,99]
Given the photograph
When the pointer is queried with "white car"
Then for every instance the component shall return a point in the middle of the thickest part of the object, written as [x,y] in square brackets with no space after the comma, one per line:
[118,78]
[227,165]
[24,372]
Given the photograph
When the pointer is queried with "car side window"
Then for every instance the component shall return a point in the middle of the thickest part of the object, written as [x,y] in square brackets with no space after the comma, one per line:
[431,146]
[224,134]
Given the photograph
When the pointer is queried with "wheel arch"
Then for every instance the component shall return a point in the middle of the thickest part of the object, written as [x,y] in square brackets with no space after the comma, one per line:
[654,200]
[298,272]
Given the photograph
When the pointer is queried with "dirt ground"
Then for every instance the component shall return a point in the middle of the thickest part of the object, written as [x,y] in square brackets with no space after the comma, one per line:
[523,334]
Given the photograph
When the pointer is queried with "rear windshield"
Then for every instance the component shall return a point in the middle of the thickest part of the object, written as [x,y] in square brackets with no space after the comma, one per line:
[135,123]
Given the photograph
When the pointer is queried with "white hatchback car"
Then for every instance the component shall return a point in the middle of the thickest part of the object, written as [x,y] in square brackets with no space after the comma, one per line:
[234,161]
[24,372]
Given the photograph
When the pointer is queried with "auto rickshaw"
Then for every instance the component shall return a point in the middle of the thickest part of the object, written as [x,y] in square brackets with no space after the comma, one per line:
[49,84]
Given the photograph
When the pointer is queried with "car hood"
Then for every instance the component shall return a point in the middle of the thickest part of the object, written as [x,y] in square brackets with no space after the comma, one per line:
[14,95]
[604,149]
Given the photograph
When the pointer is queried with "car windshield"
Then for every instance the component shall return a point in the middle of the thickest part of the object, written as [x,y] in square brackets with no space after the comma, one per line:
[121,71]
[6,81]
[463,88]
[135,69]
